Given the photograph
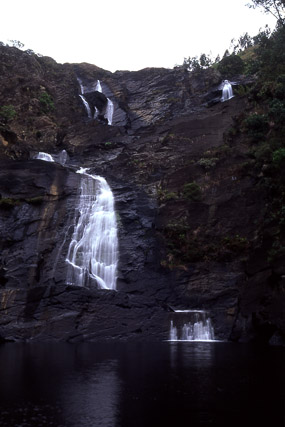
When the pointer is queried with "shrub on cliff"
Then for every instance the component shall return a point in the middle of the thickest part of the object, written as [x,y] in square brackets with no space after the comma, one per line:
[7,113]
[46,102]
[256,125]
[277,111]
[192,191]
[231,65]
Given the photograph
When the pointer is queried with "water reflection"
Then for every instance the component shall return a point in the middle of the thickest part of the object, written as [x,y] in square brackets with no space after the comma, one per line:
[191,354]
[140,385]
[92,396]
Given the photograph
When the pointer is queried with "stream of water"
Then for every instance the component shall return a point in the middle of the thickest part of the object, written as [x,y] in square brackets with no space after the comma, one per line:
[93,251]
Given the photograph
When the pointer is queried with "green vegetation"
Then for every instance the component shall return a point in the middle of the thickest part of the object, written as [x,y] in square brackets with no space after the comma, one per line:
[208,162]
[265,128]
[235,243]
[165,195]
[231,65]
[197,64]
[7,113]
[275,8]
[278,157]
[255,126]
[8,203]
[192,191]
[46,102]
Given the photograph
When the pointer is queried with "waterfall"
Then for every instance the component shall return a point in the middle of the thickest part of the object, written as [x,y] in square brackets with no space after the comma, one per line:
[227,91]
[81,86]
[110,106]
[62,158]
[44,156]
[93,251]
[98,86]
[109,111]
[96,112]
[86,105]
[191,325]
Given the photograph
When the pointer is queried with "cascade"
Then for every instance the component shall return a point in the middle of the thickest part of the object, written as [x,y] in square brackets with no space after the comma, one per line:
[98,86]
[96,112]
[44,156]
[191,325]
[81,86]
[62,158]
[110,106]
[93,252]
[85,103]
[227,91]
[109,111]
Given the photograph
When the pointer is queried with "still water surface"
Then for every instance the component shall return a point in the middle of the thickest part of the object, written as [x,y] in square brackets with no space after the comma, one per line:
[141,385]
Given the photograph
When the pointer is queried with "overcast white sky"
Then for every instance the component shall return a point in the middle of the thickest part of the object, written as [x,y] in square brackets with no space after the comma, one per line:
[128,34]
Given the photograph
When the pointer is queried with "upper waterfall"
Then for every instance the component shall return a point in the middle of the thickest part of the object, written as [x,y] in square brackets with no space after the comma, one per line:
[91,109]
[98,86]
[85,103]
[93,251]
[227,89]
[109,111]
[87,107]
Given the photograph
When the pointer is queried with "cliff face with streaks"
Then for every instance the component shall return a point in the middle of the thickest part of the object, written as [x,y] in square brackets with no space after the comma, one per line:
[190,208]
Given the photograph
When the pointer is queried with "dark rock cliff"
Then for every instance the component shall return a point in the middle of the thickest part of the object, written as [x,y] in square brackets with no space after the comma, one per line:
[190,210]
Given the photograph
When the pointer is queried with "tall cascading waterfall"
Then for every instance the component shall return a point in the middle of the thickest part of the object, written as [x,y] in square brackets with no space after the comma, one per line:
[191,325]
[93,252]
[227,91]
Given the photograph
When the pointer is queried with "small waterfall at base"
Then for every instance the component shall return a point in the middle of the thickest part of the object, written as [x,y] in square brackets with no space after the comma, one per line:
[191,325]
[93,251]
[227,91]
[44,156]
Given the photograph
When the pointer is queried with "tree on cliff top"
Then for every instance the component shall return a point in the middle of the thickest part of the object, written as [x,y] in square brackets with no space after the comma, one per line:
[275,7]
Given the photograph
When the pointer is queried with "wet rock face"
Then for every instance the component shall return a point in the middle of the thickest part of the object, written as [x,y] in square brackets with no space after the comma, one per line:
[36,210]
[188,209]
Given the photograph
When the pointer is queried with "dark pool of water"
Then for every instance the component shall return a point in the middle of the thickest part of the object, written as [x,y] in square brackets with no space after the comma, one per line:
[141,385]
